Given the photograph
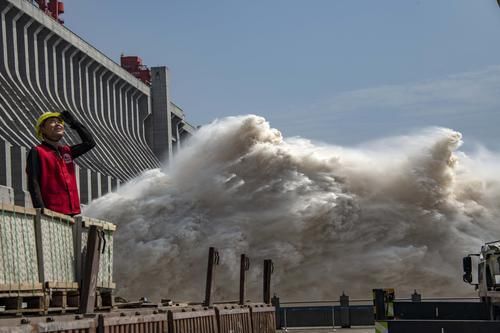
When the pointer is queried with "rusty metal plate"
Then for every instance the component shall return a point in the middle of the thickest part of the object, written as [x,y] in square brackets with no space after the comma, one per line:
[233,318]
[52,324]
[192,320]
[263,318]
[133,322]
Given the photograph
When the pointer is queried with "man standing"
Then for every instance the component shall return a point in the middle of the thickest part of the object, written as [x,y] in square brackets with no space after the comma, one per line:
[50,168]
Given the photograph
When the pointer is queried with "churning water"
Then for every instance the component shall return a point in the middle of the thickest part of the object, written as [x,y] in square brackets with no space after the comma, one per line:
[399,212]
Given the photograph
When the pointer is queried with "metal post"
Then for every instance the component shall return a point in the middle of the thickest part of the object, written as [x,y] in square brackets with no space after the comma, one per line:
[284,319]
[416,297]
[345,317]
[39,245]
[389,297]
[268,271]
[379,304]
[275,301]
[333,319]
[87,300]
[77,248]
[244,266]
[213,260]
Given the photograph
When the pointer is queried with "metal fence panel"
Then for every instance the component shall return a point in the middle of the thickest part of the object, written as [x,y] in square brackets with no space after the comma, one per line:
[192,320]
[323,316]
[441,310]
[359,315]
[442,326]
[314,316]
[263,318]
[132,321]
[233,318]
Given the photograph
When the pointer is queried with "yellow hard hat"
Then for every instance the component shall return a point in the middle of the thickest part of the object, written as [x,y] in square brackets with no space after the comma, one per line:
[42,118]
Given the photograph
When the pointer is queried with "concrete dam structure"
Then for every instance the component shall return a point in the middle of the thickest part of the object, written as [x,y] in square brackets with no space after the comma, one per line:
[46,67]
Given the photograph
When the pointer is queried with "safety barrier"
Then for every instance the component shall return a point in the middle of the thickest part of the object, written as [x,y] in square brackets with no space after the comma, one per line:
[105,276]
[38,248]
[233,318]
[41,260]
[263,318]
[192,319]
[139,321]
[58,324]
[441,310]
[55,248]
[325,316]
[144,318]
[18,259]
[183,319]
[437,326]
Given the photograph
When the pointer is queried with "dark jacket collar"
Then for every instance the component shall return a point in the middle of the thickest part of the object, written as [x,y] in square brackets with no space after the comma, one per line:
[46,144]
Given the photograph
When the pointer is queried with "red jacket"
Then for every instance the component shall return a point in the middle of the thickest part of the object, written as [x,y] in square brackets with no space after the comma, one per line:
[58,185]
[51,174]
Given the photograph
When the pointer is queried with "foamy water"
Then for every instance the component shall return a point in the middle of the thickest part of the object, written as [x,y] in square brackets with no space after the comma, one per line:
[400,212]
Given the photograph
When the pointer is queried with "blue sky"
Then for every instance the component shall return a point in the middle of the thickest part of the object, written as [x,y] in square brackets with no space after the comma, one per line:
[338,71]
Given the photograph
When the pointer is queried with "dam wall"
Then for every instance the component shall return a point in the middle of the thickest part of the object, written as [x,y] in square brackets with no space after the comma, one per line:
[46,67]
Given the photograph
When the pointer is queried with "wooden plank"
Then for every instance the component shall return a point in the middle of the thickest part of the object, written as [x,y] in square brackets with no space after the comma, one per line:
[107,298]
[21,294]
[20,286]
[39,245]
[24,211]
[51,214]
[29,211]
[19,311]
[20,304]
[111,285]
[62,323]
[191,313]
[8,208]
[77,237]
[61,285]
[17,209]
[105,225]
[73,299]
[88,295]
[81,325]
[58,300]
[134,323]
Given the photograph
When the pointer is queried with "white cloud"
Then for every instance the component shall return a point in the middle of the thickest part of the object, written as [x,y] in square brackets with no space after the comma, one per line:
[465,92]
[469,102]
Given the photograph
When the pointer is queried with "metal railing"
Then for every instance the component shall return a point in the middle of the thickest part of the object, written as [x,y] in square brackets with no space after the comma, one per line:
[345,312]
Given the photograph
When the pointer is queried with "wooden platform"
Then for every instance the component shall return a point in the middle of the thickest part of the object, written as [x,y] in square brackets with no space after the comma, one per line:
[22,302]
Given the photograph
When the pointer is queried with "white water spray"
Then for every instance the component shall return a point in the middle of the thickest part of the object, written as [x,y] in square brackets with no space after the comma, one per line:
[400,213]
